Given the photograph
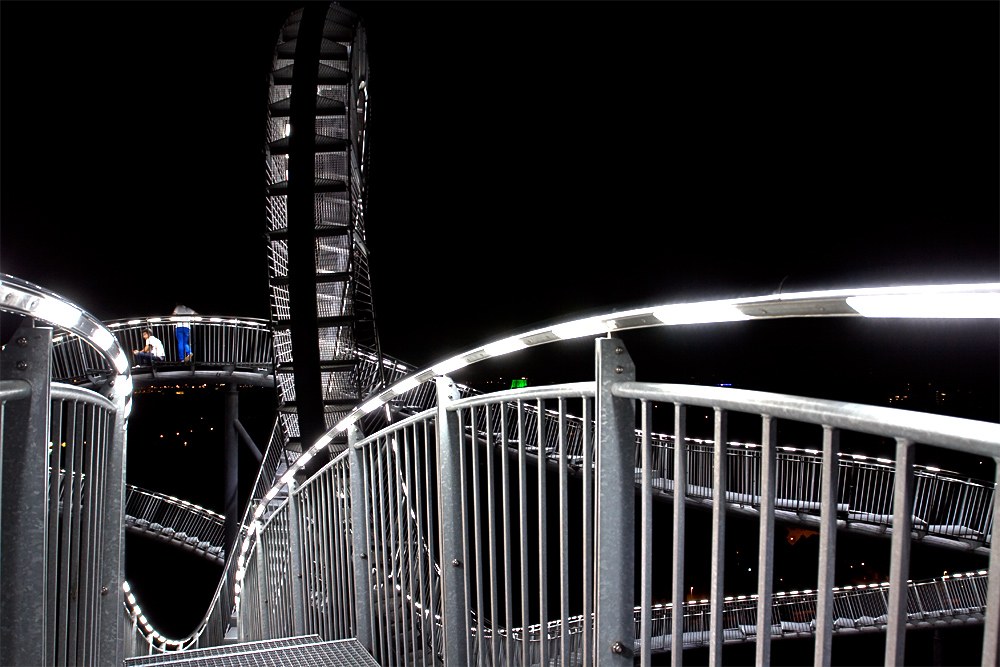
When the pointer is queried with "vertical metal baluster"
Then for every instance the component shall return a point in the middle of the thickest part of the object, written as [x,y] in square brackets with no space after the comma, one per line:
[470,647]
[262,596]
[680,500]
[394,543]
[991,630]
[508,564]
[646,600]
[52,528]
[72,492]
[431,506]
[90,551]
[588,533]
[402,532]
[543,543]
[418,464]
[902,510]
[716,601]
[322,504]
[378,537]
[827,547]
[478,537]
[765,559]
[564,548]
[523,494]
[410,529]
[332,549]
[492,530]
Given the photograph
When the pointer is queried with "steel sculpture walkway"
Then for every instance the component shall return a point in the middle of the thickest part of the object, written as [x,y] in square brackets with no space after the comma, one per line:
[950,509]
[174,520]
[316,163]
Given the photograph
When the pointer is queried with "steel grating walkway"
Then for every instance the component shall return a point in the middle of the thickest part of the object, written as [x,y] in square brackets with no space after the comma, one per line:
[308,650]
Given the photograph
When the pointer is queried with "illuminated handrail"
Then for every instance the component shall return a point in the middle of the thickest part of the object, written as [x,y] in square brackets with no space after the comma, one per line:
[241,341]
[980,300]
[172,518]
[68,445]
[107,355]
[813,304]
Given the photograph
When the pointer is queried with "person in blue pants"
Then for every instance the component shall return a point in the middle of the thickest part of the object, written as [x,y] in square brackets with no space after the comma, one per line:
[183,331]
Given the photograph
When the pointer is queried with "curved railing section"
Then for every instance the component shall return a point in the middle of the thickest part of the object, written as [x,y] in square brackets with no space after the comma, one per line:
[176,520]
[404,390]
[63,450]
[434,494]
[241,343]
[920,301]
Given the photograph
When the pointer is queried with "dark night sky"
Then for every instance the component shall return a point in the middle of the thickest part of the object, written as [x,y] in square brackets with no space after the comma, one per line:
[531,162]
[535,161]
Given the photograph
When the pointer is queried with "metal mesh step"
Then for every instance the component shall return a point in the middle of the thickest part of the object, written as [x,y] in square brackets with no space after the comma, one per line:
[346,652]
[182,656]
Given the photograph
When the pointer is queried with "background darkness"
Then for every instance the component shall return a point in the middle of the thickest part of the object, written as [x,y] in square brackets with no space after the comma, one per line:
[533,162]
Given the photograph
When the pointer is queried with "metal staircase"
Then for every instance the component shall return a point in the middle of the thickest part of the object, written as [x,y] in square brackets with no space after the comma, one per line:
[316,155]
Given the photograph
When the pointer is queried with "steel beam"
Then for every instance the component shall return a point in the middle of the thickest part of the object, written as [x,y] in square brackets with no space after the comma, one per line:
[25,465]
[615,630]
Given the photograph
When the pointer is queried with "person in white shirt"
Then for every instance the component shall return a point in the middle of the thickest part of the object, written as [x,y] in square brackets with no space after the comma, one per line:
[183,332]
[153,349]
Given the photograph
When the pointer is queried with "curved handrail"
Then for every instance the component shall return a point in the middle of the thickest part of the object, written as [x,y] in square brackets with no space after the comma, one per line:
[172,518]
[240,341]
[24,298]
[832,303]
[755,402]
[936,301]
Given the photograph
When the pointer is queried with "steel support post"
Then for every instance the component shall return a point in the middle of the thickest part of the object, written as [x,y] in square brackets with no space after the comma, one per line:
[680,500]
[23,545]
[827,546]
[991,619]
[265,616]
[112,624]
[765,555]
[359,541]
[454,611]
[716,598]
[295,549]
[615,631]
[646,584]
[899,564]
[231,502]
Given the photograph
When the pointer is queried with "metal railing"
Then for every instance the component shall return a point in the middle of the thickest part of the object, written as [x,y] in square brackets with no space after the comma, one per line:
[199,528]
[399,603]
[469,548]
[950,509]
[241,341]
[63,453]
[218,622]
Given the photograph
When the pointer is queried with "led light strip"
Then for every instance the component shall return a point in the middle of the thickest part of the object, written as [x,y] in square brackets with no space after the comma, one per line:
[136,611]
[921,301]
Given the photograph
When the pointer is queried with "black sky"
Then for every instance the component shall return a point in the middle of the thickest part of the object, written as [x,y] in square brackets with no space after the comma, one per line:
[530,162]
[533,161]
